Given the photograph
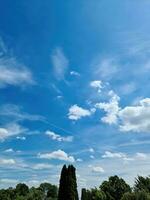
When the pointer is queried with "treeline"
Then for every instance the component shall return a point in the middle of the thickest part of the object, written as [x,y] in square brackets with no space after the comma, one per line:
[115,188]
[45,191]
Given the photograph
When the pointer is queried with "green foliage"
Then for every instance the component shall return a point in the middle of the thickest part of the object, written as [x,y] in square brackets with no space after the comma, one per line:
[129,196]
[46,191]
[142,183]
[93,194]
[115,188]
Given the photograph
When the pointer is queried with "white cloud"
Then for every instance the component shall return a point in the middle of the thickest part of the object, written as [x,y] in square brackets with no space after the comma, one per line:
[136,118]
[59,155]
[76,112]
[59,138]
[91,150]
[74,73]
[111,108]
[60,63]
[14,73]
[96,84]
[4,161]
[130,118]
[21,138]
[109,154]
[9,150]
[11,130]
[97,169]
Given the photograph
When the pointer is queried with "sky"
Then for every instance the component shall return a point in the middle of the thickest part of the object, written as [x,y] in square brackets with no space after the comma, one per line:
[74,89]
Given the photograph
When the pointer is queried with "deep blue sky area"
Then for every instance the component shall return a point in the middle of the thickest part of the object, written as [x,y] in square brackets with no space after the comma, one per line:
[74,88]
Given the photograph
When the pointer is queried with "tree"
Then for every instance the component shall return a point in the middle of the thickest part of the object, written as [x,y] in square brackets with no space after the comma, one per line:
[48,190]
[68,184]
[83,194]
[142,183]
[22,189]
[115,188]
[97,194]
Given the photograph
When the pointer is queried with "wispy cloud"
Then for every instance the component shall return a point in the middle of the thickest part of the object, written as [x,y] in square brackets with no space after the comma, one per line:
[15,112]
[58,137]
[10,130]
[60,63]
[14,73]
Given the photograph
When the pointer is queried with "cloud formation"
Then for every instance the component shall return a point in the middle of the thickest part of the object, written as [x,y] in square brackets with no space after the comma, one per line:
[96,84]
[14,73]
[58,155]
[111,108]
[11,130]
[58,137]
[136,118]
[76,112]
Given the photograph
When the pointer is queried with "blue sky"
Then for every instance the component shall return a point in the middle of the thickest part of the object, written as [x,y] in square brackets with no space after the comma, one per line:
[74,88]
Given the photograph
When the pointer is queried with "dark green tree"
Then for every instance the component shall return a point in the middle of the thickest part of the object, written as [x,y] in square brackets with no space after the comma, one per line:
[22,189]
[68,184]
[62,193]
[142,183]
[115,188]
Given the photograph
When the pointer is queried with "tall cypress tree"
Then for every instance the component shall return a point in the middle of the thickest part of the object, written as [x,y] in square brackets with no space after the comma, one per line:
[68,184]
[62,193]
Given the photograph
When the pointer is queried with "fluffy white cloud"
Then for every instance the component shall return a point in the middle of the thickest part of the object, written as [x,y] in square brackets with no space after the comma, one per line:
[60,63]
[109,154]
[97,169]
[14,73]
[59,155]
[96,84]
[111,108]
[136,118]
[76,112]
[59,138]
[11,130]
[130,118]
